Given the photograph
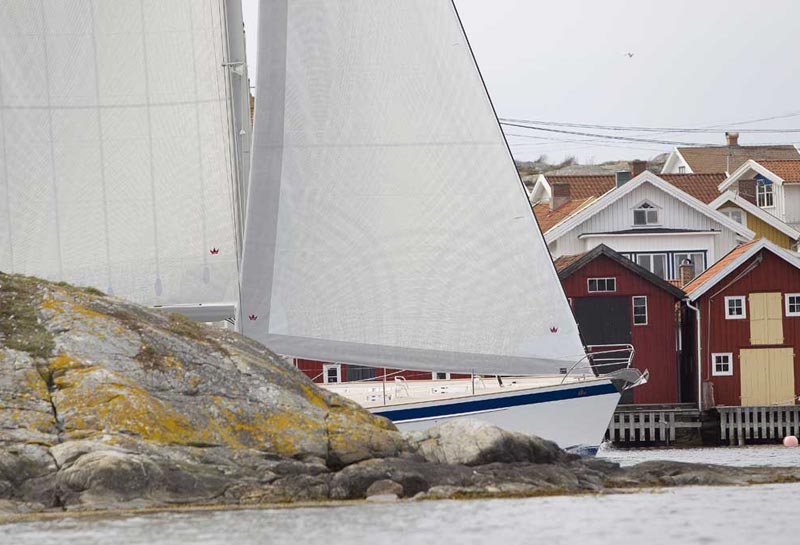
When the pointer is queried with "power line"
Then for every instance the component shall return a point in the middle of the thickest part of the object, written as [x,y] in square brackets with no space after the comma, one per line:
[687,130]
[603,136]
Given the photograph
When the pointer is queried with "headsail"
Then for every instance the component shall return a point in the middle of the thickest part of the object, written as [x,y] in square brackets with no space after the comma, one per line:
[386,222]
[117,166]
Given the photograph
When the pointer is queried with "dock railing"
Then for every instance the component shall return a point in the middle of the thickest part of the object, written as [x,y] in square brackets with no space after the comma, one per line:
[742,425]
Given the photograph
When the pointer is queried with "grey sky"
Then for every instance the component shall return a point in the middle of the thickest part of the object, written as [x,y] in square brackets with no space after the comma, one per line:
[696,63]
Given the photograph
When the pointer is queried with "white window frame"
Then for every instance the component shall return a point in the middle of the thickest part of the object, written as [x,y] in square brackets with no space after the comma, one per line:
[435,375]
[606,279]
[761,191]
[633,310]
[652,257]
[647,207]
[728,315]
[337,367]
[729,357]
[681,169]
[732,211]
[786,298]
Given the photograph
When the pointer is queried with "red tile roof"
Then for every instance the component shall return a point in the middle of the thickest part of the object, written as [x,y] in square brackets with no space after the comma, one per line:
[584,186]
[704,159]
[566,260]
[717,267]
[788,170]
[550,218]
[703,187]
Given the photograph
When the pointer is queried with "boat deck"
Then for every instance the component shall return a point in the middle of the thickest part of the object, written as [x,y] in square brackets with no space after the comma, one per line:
[371,394]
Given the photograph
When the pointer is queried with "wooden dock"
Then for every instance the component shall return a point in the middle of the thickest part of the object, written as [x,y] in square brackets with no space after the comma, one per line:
[642,425]
[743,425]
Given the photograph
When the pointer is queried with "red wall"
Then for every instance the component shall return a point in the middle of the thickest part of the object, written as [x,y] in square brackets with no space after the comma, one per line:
[313,370]
[721,335]
[655,343]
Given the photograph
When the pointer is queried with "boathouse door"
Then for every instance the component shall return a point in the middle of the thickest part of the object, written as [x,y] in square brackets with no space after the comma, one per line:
[767,376]
[605,320]
[766,318]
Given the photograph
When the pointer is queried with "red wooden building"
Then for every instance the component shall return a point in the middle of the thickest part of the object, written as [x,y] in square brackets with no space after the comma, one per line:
[615,301]
[746,327]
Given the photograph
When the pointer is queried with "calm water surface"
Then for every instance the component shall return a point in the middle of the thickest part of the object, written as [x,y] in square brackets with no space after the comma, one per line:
[730,515]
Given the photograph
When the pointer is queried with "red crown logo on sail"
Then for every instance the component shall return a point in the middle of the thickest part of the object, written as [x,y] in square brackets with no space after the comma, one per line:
[253,317]
[214,251]
[554,329]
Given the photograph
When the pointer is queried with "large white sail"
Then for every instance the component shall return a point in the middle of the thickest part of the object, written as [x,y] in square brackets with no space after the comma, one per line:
[117,166]
[386,222]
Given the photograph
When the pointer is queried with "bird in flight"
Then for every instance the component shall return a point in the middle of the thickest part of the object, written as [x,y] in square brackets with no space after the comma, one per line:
[630,55]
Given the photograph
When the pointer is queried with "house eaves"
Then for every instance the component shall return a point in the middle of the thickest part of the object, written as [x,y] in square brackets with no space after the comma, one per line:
[614,195]
[756,211]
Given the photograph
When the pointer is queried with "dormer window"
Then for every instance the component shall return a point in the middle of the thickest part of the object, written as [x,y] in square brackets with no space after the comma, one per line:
[764,193]
[645,214]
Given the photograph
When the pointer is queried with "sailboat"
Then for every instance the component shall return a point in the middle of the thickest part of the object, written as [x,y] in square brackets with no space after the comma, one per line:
[387,226]
[123,131]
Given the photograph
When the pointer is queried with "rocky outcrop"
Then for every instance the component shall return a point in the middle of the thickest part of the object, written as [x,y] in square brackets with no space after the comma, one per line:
[107,405]
[472,442]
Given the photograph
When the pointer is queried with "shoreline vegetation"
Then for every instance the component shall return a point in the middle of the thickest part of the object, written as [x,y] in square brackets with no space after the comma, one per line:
[111,409]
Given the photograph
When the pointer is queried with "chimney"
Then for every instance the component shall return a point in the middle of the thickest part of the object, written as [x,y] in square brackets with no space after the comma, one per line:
[747,190]
[637,167]
[561,195]
[622,176]
[732,138]
[686,272]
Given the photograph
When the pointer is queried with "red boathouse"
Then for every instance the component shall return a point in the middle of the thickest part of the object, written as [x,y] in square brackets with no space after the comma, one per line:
[747,327]
[615,301]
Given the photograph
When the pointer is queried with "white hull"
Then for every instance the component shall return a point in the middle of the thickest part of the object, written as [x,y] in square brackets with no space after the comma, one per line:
[575,415]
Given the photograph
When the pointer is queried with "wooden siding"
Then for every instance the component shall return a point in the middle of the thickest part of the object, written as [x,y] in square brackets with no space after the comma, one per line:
[763,229]
[655,343]
[731,336]
[672,214]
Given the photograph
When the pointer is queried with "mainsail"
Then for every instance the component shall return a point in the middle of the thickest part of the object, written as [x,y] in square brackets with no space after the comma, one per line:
[386,222]
[117,165]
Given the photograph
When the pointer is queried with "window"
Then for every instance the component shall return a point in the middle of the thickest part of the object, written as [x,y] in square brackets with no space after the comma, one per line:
[734,308]
[332,373]
[639,310]
[360,372]
[681,170]
[793,304]
[764,194]
[602,284]
[655,263]
[698,259]
[722,364]
[735,214]
[645,214]
[440,376]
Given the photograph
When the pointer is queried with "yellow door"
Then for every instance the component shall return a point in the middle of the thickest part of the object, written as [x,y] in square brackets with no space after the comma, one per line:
[766,318]
[767,376]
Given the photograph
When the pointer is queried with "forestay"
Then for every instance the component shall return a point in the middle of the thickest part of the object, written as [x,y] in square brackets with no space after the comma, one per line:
[115,147]
[386,223]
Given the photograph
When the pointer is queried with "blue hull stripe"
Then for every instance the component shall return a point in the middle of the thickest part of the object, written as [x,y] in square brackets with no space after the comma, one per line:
[502,402]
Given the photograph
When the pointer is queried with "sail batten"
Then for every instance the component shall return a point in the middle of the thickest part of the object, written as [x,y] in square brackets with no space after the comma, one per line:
[115,130]
[386,223]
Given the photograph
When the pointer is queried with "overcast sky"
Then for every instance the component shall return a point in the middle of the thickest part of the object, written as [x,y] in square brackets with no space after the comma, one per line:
[695,63]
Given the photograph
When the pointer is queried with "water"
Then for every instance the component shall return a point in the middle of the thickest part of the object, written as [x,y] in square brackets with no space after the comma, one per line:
[727,515]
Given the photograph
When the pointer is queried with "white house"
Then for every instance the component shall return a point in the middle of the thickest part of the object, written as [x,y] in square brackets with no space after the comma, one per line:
[650,221]
[773,185]
[727,158]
